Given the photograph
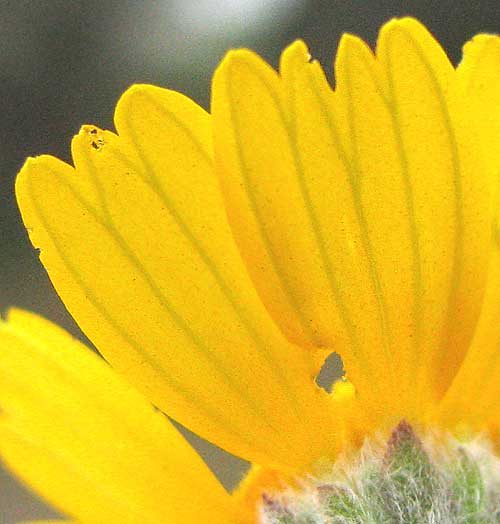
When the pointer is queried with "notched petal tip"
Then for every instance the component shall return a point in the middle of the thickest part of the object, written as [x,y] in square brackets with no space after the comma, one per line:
[348,44]
[479,47]
[233,72]
[348,41]
[233,58]
[480,40]
[411,28]
[296,52]
[90,137]
[127,99]
[31,167]
[407,23]
[293,62]
[152,109]
[352,52]
[137,90]
[32,162]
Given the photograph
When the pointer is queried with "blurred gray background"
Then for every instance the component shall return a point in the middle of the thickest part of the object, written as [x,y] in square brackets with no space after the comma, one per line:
[65,63]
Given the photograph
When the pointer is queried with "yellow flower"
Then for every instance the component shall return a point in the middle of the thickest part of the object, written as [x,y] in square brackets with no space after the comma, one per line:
[215,260]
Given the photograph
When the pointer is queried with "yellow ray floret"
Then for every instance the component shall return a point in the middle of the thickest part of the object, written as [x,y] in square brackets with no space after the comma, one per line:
[136,242]
[479,378]
[362,214]
[215,260]
[88,442]
[479,73]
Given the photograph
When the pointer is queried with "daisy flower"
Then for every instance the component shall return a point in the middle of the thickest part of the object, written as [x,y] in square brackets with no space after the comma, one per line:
[215,260]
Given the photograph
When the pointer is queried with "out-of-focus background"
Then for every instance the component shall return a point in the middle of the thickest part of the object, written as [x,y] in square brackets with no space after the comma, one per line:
[64,63]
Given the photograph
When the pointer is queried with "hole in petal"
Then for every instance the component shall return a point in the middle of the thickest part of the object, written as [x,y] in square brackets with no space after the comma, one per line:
[331,371]
[95,136]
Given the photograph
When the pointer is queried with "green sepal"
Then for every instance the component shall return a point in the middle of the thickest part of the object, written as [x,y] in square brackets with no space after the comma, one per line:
[406,481]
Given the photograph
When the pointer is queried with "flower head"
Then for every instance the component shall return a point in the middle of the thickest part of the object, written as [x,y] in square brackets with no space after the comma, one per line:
[216,260]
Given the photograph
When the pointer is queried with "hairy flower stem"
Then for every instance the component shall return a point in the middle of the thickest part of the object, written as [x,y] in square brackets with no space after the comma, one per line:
[405,481]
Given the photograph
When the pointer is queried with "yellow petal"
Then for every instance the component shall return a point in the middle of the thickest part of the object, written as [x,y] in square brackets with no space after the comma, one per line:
[137,244]
[90,444]
[362,214]
[479,73]
[473,398]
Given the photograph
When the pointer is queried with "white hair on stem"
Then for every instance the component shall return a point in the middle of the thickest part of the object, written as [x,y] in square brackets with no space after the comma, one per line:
[406,480]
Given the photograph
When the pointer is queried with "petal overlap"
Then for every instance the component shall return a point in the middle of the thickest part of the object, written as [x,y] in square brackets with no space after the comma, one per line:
[362,213]
[479,376]
[136,241]
[88,442]
[216,260]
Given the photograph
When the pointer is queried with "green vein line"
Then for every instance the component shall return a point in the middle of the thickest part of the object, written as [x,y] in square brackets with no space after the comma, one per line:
[314,221]
[351,177]
[167,306]
[393,110]
[458,250]
[98,305]
[354,167]
[274,366]
[260,222]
